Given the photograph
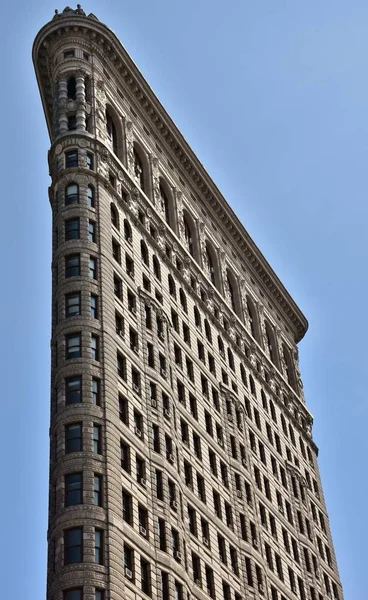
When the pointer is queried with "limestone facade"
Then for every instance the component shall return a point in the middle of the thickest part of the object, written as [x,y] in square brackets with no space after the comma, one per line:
[182,463]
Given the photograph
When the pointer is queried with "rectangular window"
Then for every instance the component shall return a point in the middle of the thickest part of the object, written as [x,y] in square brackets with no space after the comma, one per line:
[156,438]
[97,445]
[71,157]
[73,438]
[226,591]
[234,560]
[92,267]
[97,490]
[96,392]
[159,485]
[222,548]
[201,488]
[197,446]
[72,265]
[99,546]
[73,390]
[73,489]
[119,324]
[74,594]
[141,470]
[196,566]
[127,507]
[217,504]
[90,161]
[73,546]
[129,562]
[136,381]
[193,406]
[129,266]
[73,346]
[145,577]
[138,424]
[210,582]
[116,251]
[73,304]
[71,194]
[125,457]
[94,347]
[164,585]
[121,366]
[93,306]
[162,534]
[72,229]
[118,287]
[123,410]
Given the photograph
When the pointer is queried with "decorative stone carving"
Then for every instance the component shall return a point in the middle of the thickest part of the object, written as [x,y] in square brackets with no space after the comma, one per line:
[156,185]
[161,236]
[298,376]
[134,202]
[186,269]
[130,146]
[272,379]
[180,215]
[225,283]
[253,355]
[100,115]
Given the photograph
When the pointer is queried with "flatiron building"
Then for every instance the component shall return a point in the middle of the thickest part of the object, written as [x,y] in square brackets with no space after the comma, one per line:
[182,462]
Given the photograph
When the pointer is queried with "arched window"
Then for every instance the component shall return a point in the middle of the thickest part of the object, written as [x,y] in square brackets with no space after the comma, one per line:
[111,132]
[213,267]
[167,203]
[221,347]
[271,343]
[71,88]
[138,169]
[197,317]
[183,300]
[230,359]
[144,253]
[290,375]
[172,286]
[114,216]
[207,329]
[72,194]
[253,319]
[156,268]
[243,375]
[127,231]
[264,401]
[234,292]
[188,236]
[91,196]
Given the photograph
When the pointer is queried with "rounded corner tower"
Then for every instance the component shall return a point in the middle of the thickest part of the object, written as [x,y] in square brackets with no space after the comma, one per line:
[182,464]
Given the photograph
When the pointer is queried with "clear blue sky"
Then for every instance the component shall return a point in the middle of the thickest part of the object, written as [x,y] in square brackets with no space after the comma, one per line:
[273,97]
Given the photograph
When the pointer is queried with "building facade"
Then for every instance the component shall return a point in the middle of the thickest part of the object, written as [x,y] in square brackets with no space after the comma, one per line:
[182,464]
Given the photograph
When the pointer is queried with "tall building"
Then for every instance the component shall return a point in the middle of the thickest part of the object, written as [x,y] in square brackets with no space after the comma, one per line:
[182,462]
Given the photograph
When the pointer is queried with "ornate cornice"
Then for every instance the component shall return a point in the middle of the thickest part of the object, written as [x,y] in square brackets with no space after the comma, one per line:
[103,41]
